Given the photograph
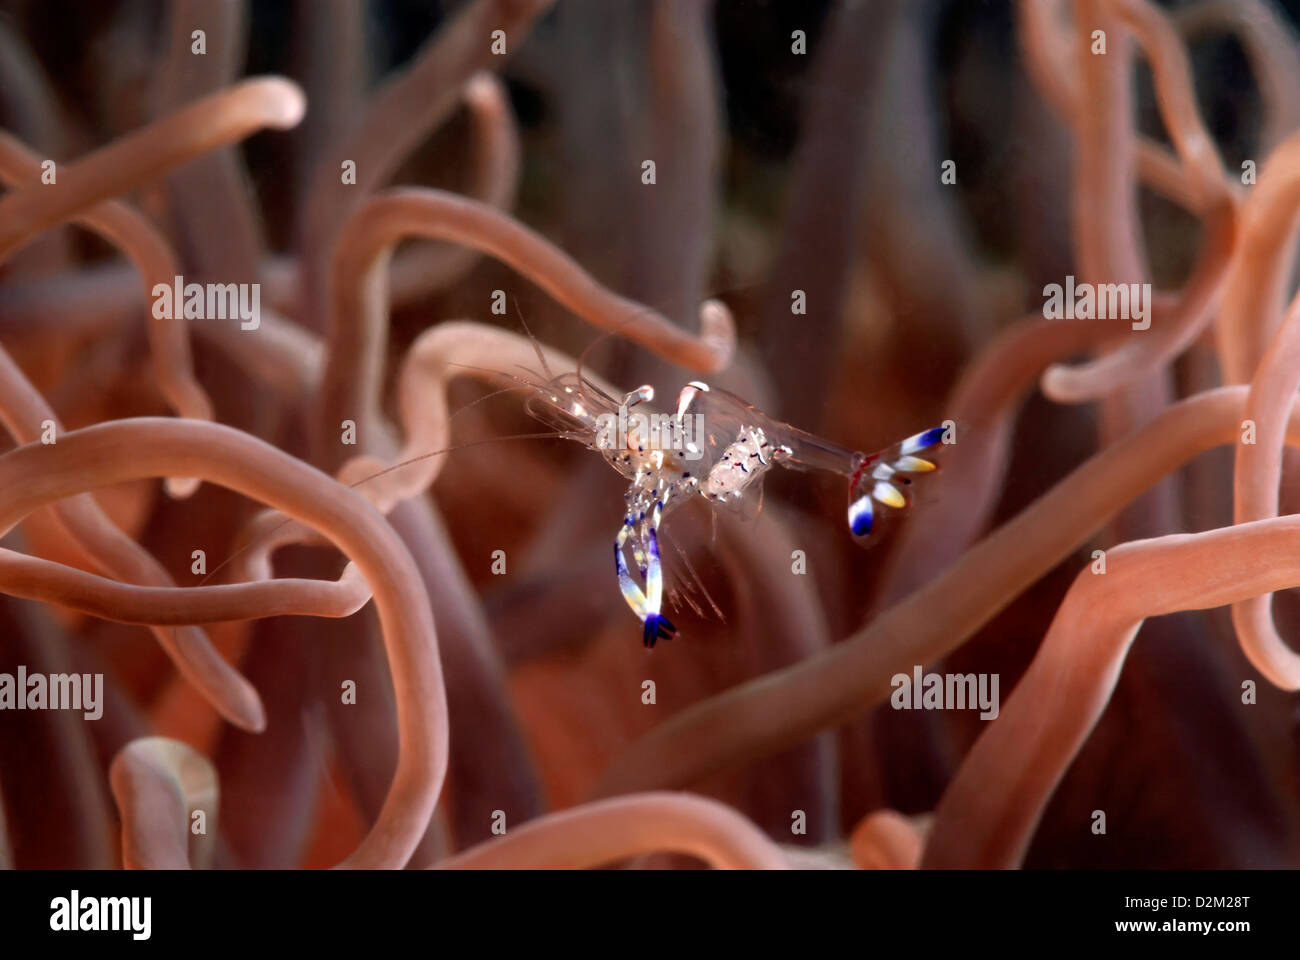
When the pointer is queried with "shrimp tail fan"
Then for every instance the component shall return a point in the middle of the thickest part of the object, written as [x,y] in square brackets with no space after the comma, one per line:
[880,490]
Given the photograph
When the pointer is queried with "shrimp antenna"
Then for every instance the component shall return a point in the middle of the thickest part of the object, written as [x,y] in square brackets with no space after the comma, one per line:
[497,373]
[521,384]
[582,357]
[550,435]
[537,347]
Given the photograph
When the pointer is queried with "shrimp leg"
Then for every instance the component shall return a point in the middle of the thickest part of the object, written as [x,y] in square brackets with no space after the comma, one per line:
[647,604]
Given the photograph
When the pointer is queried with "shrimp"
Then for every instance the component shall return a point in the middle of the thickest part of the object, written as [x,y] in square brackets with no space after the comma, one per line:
[719,447]
[716,446]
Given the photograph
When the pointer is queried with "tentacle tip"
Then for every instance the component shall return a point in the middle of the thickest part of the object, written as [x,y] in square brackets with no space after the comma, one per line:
[718,330]
[483,89]
[290,103]
[181,488]
[249,713]
[1062,383]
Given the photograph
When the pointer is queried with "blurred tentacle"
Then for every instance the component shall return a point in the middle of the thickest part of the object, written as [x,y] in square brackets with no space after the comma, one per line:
[30,109]
[1259,278]
[358,324]
[673,223]
[25,412]
[268,829]
[491,767]
[1107,239]
[887,840]
[137,157]
[784,609]
[398,117]
[1211,197]
[329,51]
[57,809]
[494,180]
[109,453]
[596,834]
[159,785]
[1273,49]
[211,201]
[827,185]
[155,263]
[987,817]
[1257,478]
[914,228]
[772,712]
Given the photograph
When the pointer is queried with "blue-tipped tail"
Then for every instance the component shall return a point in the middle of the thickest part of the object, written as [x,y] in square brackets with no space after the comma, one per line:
[861,516]
[922,441]
[881,486]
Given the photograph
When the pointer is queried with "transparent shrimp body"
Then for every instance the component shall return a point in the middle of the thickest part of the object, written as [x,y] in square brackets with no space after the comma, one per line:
[720,447]
[571,406]
[741,444]
[644,447]
[735,445]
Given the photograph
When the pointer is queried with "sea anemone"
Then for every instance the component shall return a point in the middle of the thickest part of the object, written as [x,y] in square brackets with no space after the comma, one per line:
[387,633]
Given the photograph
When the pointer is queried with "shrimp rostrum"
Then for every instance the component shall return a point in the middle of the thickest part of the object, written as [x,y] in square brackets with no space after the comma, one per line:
[717,446]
